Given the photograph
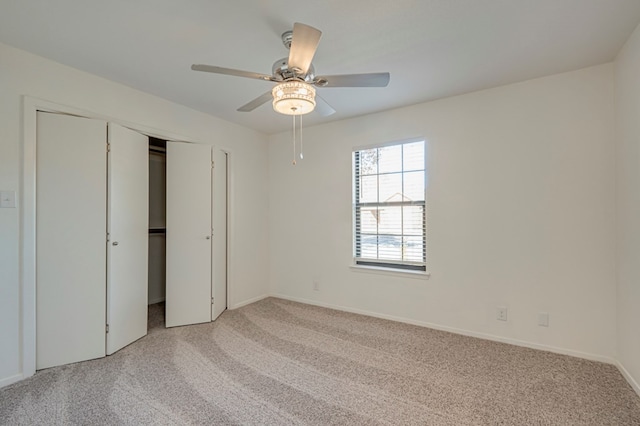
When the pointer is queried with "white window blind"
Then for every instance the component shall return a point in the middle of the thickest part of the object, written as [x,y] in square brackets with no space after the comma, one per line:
[389,206]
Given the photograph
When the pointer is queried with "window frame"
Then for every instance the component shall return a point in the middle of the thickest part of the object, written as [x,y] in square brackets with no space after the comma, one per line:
[388,265]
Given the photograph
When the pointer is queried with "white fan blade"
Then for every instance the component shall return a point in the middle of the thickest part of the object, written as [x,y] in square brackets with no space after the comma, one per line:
[323,107]
[304,43]
[231,71]
[264,98]
[377,79]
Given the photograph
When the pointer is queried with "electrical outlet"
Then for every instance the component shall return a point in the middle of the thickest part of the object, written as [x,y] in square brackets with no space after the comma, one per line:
[502,313]
[316,285]
[543,319]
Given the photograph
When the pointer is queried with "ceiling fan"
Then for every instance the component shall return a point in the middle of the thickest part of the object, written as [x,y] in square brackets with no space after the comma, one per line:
[294,93]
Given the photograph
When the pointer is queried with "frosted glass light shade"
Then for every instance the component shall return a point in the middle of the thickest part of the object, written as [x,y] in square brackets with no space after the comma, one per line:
[294,98]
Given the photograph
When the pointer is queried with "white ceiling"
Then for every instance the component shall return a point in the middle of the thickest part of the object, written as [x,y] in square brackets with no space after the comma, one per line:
[432,48]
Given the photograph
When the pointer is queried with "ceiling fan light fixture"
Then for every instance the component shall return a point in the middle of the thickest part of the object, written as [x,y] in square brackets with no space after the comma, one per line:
[294,98]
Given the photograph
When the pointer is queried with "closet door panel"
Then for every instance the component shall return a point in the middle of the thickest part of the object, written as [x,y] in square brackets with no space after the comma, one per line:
[219,208]
[71,194]
[128,227]
[188,236]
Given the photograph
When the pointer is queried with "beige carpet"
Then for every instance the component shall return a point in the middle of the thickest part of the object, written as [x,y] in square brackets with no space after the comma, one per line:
[277,362]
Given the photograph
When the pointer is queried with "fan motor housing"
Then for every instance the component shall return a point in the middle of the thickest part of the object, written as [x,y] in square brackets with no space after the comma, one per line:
[281,71]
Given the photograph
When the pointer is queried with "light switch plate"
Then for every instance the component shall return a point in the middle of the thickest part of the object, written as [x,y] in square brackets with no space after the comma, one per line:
[7,199]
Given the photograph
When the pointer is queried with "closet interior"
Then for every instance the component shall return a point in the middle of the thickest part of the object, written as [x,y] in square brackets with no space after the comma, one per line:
[157,289]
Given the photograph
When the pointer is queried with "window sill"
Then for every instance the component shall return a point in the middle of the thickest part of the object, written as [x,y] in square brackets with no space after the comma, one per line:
[421,275]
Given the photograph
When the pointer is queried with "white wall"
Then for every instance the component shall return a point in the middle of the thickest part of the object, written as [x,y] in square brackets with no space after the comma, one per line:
[628,205]
[25,74]
[521,206]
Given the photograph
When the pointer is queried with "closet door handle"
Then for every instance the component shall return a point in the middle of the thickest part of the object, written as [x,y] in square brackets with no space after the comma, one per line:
[115,243]
[208,237]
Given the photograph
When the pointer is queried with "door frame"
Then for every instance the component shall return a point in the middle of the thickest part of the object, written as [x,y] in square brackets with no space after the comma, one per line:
[27,216]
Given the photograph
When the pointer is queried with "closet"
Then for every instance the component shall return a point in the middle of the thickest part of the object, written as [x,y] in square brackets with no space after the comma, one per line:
[94,256]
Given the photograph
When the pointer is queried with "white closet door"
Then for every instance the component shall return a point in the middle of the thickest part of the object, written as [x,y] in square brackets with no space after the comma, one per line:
[219,233]
[188,296]
[128,245]
[71,196]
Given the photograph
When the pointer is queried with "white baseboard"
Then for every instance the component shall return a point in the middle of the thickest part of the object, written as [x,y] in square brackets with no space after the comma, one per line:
[10,380]
[248,302]
[628,377]
[531,345]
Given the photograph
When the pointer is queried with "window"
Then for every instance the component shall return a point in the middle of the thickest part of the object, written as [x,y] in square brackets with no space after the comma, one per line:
[389,206]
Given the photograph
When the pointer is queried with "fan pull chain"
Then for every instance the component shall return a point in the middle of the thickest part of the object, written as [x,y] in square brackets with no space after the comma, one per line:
[294,139]
[293,134]
[301,155]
